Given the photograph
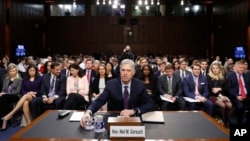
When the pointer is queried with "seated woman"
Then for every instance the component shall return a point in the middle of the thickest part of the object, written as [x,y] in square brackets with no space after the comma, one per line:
[99,84]
[77,88]
[10,92]
[148,78]
[110,72]
[30,87]
[217,88]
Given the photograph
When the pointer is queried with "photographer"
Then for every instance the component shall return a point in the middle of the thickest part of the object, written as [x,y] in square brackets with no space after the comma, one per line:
[127,54]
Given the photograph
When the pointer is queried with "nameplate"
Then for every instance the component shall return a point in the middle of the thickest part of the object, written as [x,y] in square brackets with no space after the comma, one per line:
[127,131]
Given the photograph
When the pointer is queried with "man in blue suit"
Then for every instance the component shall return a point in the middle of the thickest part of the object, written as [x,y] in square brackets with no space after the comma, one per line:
[195,86]
[125,94]
[52,92]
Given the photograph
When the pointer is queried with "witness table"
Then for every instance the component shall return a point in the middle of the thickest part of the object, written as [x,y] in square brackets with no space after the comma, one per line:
[178,126]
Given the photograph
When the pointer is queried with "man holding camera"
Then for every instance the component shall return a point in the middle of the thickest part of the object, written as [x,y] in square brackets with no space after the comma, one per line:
[127,54]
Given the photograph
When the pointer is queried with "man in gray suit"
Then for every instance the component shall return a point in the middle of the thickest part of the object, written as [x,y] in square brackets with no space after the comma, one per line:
[183,72]
[170,87]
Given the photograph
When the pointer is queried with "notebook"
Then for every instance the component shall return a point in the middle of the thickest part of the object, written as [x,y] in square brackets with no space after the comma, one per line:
[76,116]
[154,116]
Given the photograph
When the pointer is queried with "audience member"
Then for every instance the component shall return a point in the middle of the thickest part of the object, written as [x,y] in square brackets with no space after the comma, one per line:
[99,84]
[31,84]
[218,92]
[170,86]
[183,72]
[149,81]
[66,70]
[10,91]
[195,86]
[53,91]
[238,89]
[77,88]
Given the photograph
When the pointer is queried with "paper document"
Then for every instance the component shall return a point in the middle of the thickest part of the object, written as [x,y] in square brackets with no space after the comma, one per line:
[188,99]
[76,116]
[154,116]
[166,99]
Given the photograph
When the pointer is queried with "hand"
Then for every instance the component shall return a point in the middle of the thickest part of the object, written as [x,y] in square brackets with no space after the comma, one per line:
[45,100]
[216,90]
[85,117]
[32,95]
[50,100]
[168,96]
[240,98]
[127,113]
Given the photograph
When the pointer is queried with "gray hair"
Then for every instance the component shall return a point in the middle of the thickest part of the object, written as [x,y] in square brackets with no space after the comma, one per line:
[128,61]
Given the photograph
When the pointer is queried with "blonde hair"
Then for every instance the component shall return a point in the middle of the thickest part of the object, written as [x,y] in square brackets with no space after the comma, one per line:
[212,75]
[10,67]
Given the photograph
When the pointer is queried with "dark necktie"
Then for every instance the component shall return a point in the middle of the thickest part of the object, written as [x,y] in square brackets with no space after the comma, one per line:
[126,97]
[242,90]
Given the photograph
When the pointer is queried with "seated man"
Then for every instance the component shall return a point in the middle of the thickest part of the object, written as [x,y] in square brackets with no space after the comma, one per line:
[125,94]
[195,86]
[238,89]
[52,92]
[170,86]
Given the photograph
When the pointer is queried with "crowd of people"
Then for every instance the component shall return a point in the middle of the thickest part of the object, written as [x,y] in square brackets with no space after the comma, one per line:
[138,84]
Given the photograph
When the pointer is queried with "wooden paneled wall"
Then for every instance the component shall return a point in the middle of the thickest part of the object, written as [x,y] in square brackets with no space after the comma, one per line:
[230,27]
[2,21]
[170,35]
[26,24]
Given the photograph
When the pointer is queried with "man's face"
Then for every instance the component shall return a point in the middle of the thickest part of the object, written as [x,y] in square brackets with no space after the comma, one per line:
[126,72]
[183,65]
[56,71]
[143,62]
[240,68]
[70,62]
[169,72]
[196,70]
[89,64]
[204,65]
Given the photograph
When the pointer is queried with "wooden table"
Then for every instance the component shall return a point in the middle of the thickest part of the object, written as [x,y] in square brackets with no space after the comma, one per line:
[178,126]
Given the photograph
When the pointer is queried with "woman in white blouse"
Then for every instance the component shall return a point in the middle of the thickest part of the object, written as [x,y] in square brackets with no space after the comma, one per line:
[77,88]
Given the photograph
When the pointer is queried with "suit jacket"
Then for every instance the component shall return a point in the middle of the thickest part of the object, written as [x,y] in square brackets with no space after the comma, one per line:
[117,70]
[60,85]
[64,72]
[95,84]
[112,94]
[189,86]
[233,84]
[92,76]
[178,72]
[16,85]
[216,84]
[162,85]
[28,86]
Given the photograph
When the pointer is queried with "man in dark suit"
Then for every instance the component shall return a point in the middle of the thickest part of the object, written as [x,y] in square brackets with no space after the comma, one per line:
[66,71]
[195,86]
[204,67]
[52,92]
[238,89]
[170,86]
[125,94]
[116,66]
[161,70]
[89,72]
[183,72]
